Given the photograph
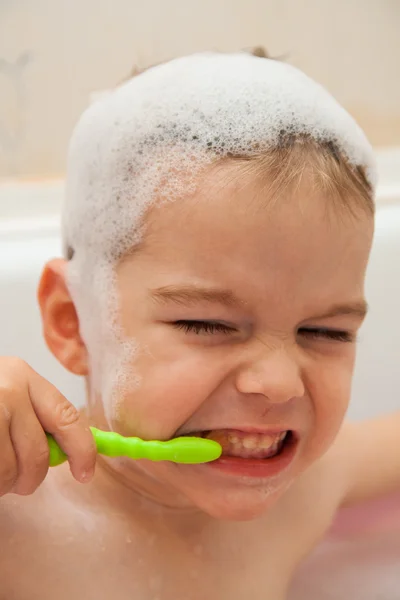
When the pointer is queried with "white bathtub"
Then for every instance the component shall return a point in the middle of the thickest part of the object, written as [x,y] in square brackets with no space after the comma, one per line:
[357,562]
[29,236]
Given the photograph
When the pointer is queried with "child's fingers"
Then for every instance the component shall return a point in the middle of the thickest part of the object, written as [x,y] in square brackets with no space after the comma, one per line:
[31,450]
[8,460]
[60,418]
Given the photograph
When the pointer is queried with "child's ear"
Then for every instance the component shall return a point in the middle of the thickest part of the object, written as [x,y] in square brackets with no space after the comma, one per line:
[60,319]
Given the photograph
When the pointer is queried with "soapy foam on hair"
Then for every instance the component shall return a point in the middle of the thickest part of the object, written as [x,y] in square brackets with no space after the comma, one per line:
[148,142]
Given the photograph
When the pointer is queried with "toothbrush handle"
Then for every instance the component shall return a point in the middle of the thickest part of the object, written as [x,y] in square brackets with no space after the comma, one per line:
[113,444]
[107,442]
[56,455]
[186,450]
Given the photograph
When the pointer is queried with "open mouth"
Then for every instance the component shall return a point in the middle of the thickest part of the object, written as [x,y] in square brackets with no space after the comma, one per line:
[252,456]
[245,445]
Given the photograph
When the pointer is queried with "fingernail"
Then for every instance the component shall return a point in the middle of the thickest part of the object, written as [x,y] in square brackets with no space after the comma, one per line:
[86,476]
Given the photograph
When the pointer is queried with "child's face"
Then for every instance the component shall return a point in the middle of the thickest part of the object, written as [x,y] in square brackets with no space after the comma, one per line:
[273,281]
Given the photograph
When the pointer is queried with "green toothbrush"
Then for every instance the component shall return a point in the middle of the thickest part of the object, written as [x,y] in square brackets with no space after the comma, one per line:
[186,450]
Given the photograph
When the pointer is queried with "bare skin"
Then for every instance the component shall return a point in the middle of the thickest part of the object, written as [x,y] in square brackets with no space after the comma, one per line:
[158,531]
[100,539]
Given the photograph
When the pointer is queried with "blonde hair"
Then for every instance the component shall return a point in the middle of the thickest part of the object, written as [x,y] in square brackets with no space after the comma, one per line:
[286,165]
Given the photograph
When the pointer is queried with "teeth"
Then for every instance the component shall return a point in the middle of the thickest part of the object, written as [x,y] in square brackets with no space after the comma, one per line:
[250,442]
[234,439]
[248,445]
[267,441]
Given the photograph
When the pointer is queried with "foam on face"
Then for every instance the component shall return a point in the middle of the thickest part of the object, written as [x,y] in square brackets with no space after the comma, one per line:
[147,142]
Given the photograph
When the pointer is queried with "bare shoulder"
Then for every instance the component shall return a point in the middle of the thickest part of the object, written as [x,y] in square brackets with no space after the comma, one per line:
[41,519]
[16,513]
[20,519]
[365,458]
[43,532]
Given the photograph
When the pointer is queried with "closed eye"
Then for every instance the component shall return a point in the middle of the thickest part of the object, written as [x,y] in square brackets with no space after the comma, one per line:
[328,334]
[213,327]
[199,327]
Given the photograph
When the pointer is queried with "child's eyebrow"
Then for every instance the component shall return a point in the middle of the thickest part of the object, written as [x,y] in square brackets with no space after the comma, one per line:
[358,309]
[189,294]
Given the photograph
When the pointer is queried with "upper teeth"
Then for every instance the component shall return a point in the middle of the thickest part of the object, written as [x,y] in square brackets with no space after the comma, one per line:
[258,441]
[250,441]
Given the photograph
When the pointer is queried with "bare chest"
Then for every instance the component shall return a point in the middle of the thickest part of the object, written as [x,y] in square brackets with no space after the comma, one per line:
[70,550]
[72,574]
[83,563]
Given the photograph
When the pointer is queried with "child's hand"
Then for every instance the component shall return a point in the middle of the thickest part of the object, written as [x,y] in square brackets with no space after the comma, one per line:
[29,407]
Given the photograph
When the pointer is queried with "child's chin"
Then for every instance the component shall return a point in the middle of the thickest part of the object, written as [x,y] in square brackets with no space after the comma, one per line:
[236,506]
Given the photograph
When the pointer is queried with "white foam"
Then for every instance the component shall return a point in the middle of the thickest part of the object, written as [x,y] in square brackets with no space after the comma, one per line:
[148,141]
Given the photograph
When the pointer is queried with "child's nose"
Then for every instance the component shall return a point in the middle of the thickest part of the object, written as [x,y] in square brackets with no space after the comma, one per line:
[274,374]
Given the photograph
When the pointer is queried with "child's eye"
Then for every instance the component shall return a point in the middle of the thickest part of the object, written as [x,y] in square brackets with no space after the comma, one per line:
[330,334]
[203,327]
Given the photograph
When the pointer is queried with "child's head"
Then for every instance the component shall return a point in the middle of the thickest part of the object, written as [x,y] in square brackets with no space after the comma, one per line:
[218,222]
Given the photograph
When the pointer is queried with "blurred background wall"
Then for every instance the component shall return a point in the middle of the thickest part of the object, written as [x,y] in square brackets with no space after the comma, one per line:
[54,53]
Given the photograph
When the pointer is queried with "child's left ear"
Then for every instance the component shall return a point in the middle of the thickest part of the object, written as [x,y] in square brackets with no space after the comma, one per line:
[60,319]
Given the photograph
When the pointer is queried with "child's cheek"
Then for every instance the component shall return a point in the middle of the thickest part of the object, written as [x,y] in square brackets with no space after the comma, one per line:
[169,393]
[330,395]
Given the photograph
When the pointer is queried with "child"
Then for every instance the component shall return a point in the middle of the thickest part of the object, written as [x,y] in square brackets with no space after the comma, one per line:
[217,227]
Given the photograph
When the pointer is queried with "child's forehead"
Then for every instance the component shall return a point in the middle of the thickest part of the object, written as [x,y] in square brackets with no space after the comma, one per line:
[231,212]
[295,249]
